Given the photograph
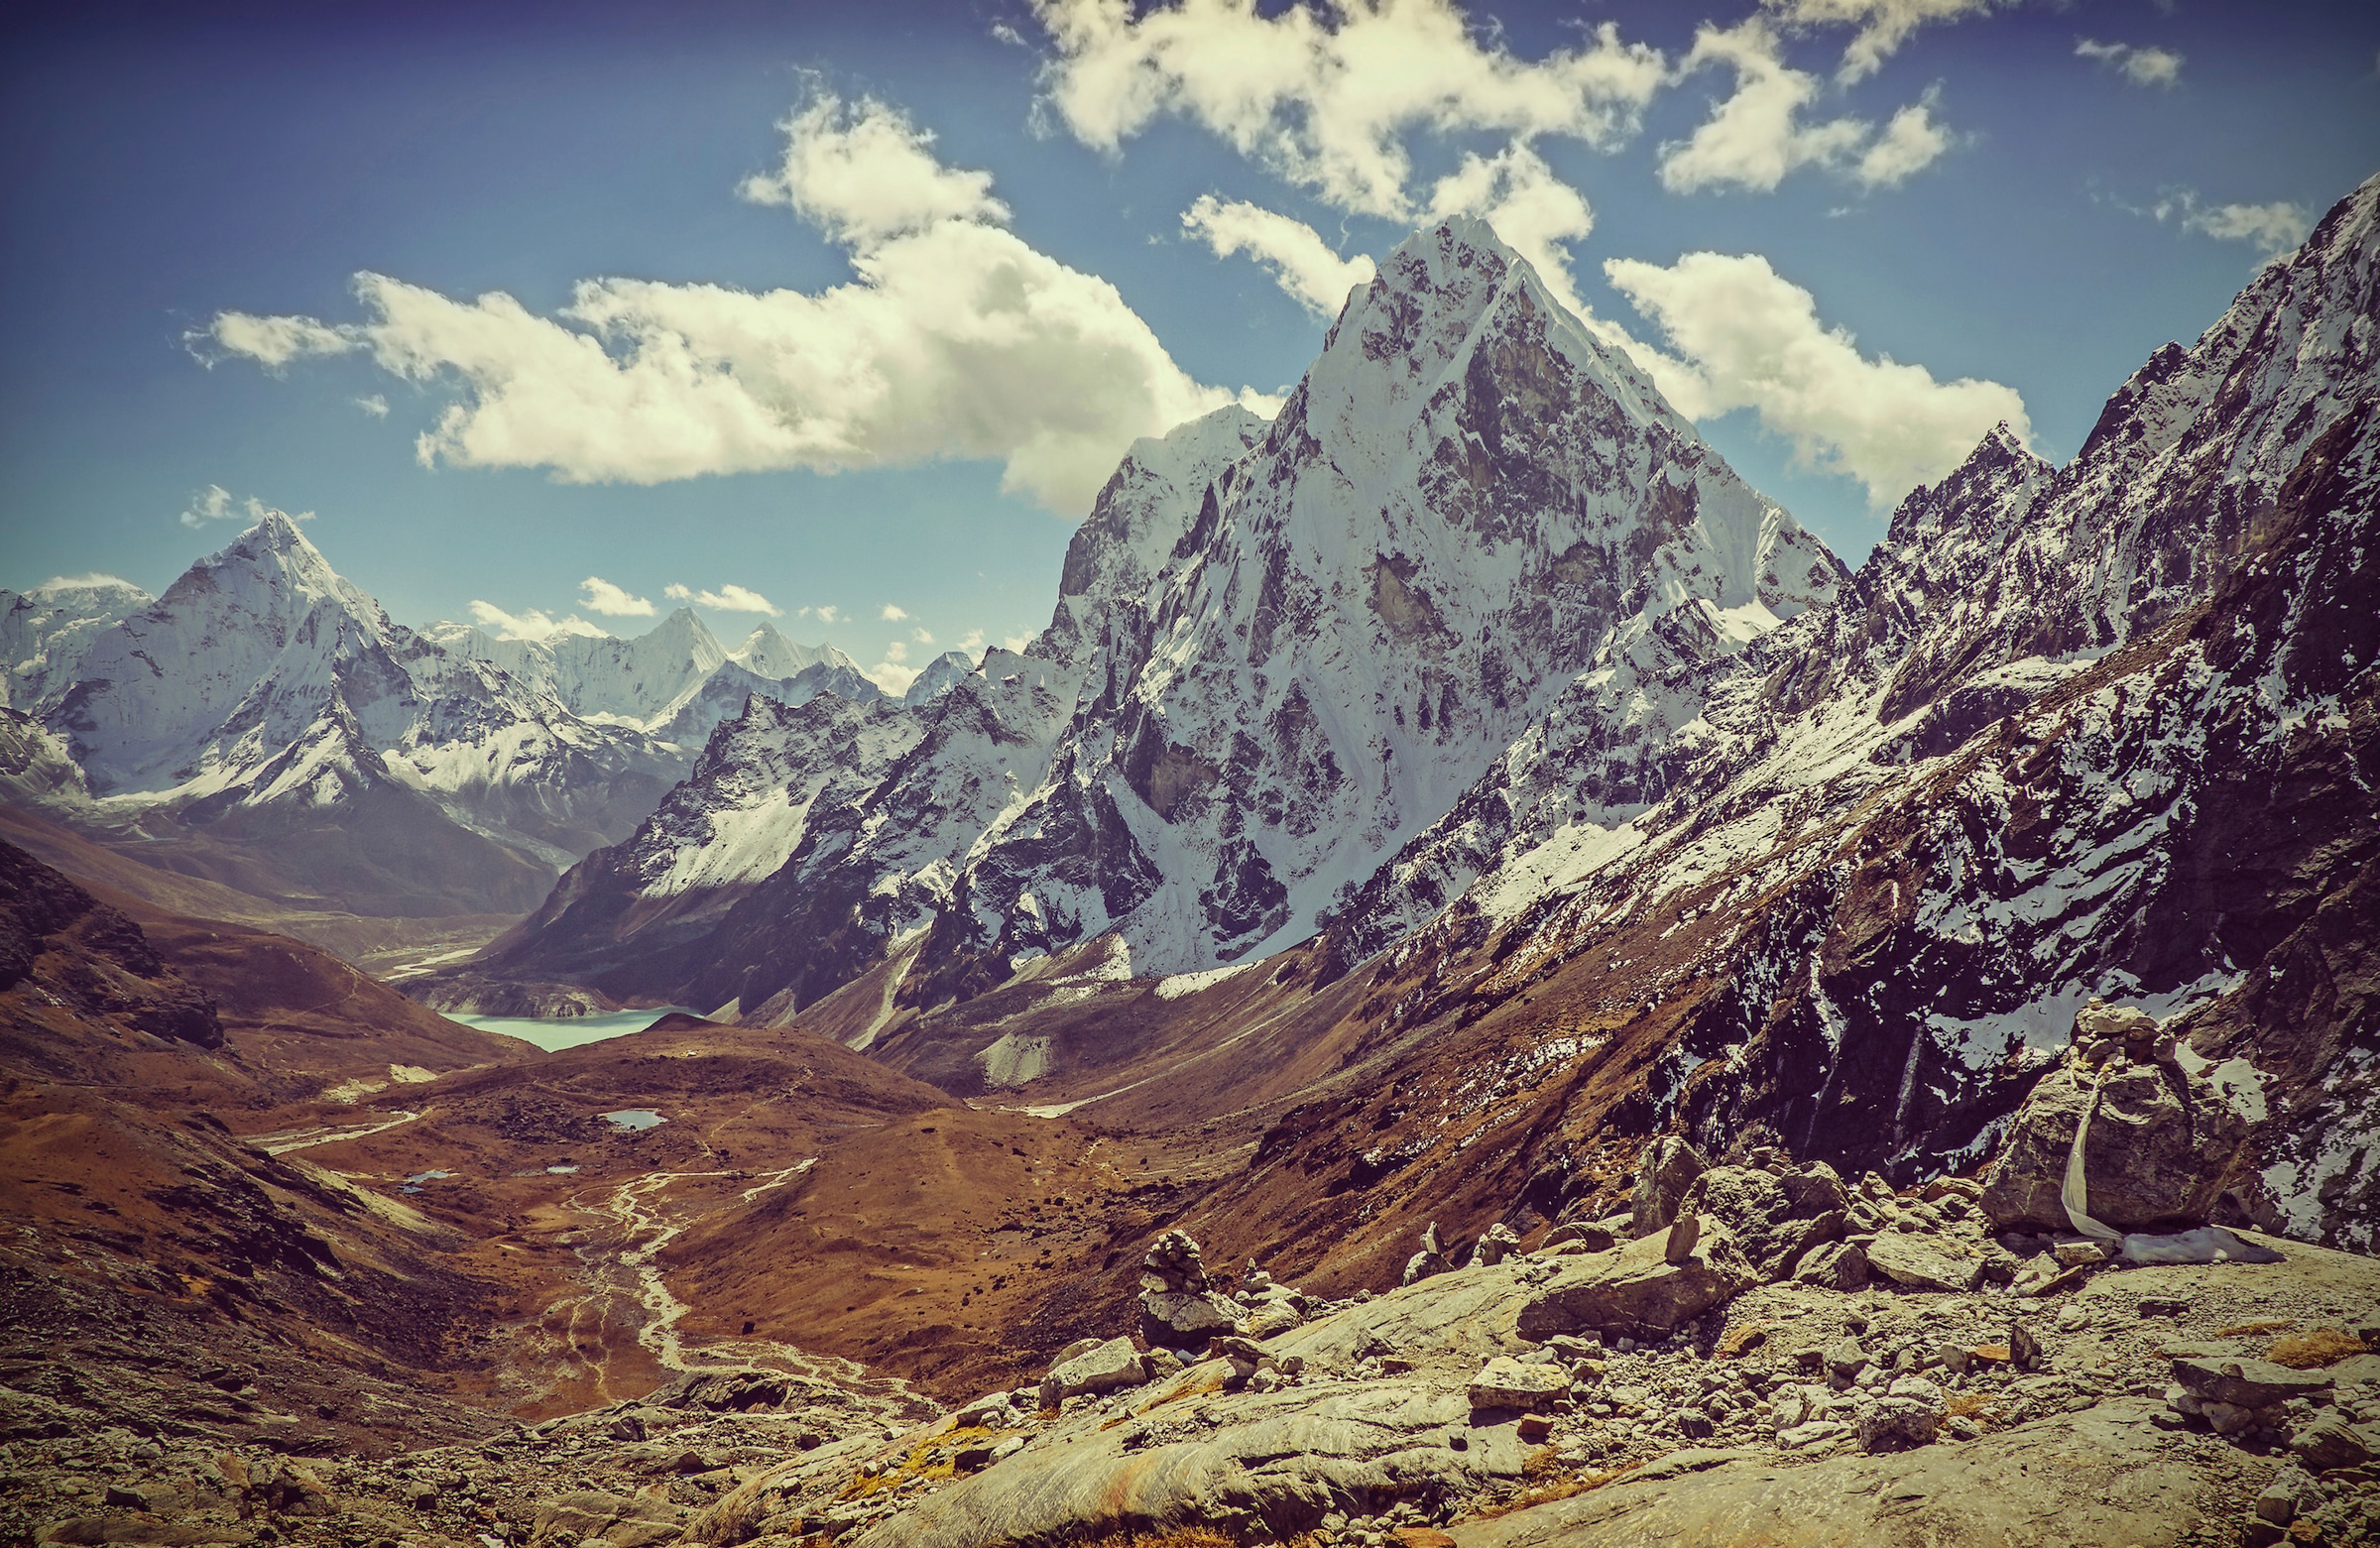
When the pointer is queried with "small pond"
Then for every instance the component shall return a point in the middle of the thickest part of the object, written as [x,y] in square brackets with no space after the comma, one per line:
[635,1118]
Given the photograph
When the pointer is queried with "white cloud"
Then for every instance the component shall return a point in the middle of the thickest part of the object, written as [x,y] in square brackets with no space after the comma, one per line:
[1883,25]
[1016,642]
[972,641]
[2143,67]
[1324,93]
[534,624]
[1536,213]
[897,651]
[1910,142]
[2272,228]
[598,595]
[374,404]
[215,503]
[867,175]
[1302,263]
[273,342]
[956,339]
[894,675]
[828,614]
[893,614]
[1752,339]
[1755,137]
[730,598]
[922,636]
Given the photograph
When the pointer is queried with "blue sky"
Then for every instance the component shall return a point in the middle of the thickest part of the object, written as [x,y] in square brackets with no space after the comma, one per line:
[2022,200]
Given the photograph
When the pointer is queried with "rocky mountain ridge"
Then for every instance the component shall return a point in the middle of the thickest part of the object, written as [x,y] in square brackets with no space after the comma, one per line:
[1265,666]
[268,721]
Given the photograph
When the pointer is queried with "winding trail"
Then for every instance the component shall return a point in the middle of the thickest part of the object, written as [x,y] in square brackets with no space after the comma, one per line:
[305,1138]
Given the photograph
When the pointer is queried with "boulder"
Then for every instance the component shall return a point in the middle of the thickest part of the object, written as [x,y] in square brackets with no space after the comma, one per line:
[1908,1413]
[2245,1384]
[1101,1369]
[2326,1440]
[1505,1383]
[1269,1316]
[2155,1158]
[1833,1265]
[1498,1243]
[1923,1262]
[1636,1291]
[1185,1319]
[1775,1218]
[1666,1169]
[1431,1260]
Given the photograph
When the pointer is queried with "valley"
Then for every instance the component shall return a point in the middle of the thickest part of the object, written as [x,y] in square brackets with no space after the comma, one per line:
[1476,985]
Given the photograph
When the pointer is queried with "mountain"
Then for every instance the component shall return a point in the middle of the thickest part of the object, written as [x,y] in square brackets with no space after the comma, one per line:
[1281,649]
[266,726]
[263,724]
[45,632]
[2098,730]
[939,676]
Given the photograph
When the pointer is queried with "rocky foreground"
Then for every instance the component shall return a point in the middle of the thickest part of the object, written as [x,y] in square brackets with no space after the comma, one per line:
[1754,1352]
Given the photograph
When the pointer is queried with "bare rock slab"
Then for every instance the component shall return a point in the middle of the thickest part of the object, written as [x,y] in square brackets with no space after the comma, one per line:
[1635,1291]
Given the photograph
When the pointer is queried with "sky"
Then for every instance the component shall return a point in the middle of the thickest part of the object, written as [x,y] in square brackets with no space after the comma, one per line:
[838,316]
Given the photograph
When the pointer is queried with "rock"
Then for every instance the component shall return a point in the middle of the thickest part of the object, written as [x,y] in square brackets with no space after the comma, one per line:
[1844,1357]
[2024,1348]
[117,1497]
[1684,1232]
[1505,1383]
[1173,1262]
[1635,1291]
[1666,1169]
[2155,1158]
[1431,1260]
[1591,1235]
[639,1521]
[2070,1251]
[1269,1317]
[1927,1262]
[991,1408]
[2291,1493]
[2245,1384]
[1499,1242]
[2326,1440]
[1532,1428]
[1908,1413]
[1775,1218]
[627,1427]
[1101,1369]
[1833,1265]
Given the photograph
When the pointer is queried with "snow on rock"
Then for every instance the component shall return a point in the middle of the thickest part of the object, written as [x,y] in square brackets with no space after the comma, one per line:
[45,632]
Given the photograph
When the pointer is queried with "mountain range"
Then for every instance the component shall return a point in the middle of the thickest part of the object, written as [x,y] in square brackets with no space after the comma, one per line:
[263,724]
[1480,701]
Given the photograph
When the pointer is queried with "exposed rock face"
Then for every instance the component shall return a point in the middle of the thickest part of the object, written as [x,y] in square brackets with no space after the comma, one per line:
[1280,649]
[1178,1309]
[1505,1383]
[1899,868]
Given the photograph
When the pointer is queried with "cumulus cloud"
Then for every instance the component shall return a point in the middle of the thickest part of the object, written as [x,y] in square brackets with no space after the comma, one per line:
[598,595]
[1752,339]
[730,598]
[922,635]
[534,624]
[1301,262]
[374,404]
[894,675]
[2143,67]
[1883,25]
[828,614]
[215,503]
[1757,136]
[956,339]
[1910,142]
[972,641]
[2272,228]
[1324,93]
[893,614]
